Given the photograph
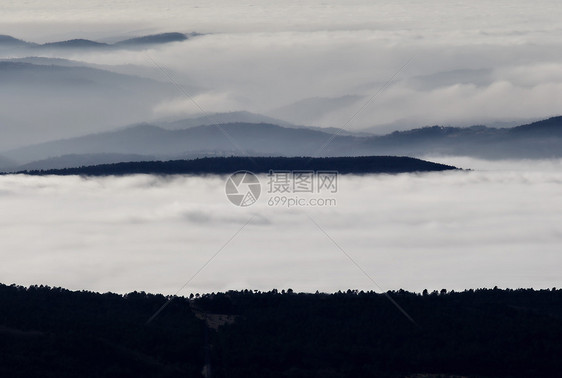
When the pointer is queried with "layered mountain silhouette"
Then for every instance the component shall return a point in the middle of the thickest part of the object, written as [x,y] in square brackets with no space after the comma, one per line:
[8,41]
[541,139]
[223,118]
[75,43]
[35,71]
[248,117]
[227,139]
[537,140]
[46,98]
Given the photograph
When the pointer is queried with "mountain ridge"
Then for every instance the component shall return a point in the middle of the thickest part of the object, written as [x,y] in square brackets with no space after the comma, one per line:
[541,139]
[142,139]
[81,43]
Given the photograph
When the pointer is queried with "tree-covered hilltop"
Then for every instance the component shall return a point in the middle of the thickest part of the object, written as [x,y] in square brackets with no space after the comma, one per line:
[52,332]
[226,165]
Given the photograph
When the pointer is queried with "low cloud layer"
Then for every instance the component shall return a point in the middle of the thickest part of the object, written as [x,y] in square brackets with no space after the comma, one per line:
[441,230]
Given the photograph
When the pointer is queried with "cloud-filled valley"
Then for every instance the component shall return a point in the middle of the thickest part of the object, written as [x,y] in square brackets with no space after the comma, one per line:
[465,229]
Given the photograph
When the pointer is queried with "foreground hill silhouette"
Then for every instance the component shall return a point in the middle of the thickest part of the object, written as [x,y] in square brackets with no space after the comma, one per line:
[226,165]
[52,332]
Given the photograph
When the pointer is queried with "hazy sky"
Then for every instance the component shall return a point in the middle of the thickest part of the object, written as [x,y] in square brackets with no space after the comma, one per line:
[441,230]
[461,62]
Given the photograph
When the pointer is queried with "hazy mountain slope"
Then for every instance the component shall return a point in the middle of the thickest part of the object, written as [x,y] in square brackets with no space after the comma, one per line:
[148,142]
[75,44]
[247,117]
[51,101]
[145,72]
[412,123]
[551,127]
[6,164]
[541,139]
[222,118]
[7,41]
[41,60]
[337,131]
[28,74]
[234,138]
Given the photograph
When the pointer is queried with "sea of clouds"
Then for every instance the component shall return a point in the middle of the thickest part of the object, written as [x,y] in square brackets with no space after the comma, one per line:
[455,230]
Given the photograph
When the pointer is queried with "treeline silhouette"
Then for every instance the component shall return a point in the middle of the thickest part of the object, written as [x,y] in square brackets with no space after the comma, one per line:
[226,165]
[52,332]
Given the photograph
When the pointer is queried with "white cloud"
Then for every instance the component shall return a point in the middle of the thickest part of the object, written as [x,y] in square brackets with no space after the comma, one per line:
[190,105]
[454,230]
[266,55]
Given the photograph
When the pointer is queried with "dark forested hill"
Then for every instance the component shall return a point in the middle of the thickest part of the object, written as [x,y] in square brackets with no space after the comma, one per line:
[224,165]
[52,332]
[48,332]
[156,39]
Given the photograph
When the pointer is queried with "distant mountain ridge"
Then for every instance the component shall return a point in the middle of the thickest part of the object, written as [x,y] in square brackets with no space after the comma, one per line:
[73,98]
[79,43]
[14,72]
[9,41]
[75,43]
[247,117]
[222,118]
[147,139]
[538,140]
